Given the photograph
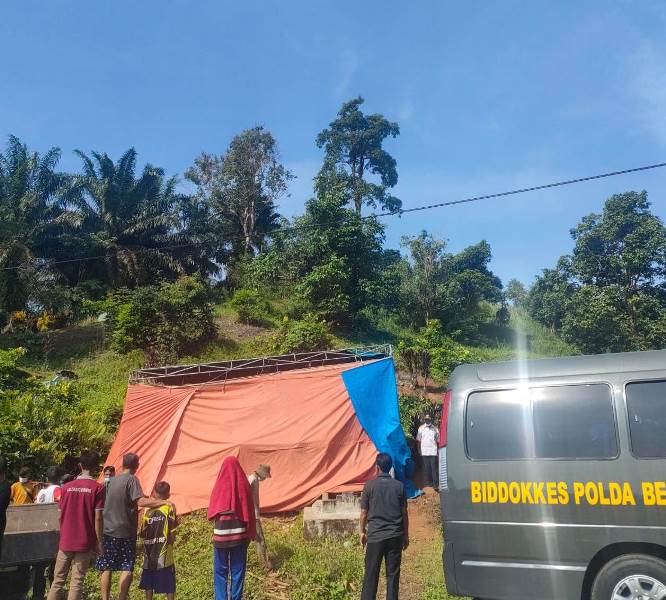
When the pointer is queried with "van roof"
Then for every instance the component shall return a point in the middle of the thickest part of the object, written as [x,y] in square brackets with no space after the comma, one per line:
[598,364]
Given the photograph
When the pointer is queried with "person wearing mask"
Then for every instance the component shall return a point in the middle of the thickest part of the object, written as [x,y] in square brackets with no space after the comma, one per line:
[124,497]
[23,491]
[51,493]
[5,495]
[384,529]
[109,472]
[428,439]
[231,510]
[81,506]
[262,473]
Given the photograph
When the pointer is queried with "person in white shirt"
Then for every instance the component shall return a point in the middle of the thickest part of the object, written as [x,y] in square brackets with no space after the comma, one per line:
[51,493]
[428,439]
[262,472]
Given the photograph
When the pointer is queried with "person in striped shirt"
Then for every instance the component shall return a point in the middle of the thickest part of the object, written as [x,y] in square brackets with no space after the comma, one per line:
[232,512]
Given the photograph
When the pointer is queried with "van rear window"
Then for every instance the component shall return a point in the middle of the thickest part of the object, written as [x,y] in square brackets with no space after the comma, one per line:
[646,405]
[566,422]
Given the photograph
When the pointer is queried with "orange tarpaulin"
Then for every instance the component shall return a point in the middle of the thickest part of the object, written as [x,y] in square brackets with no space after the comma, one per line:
[302,423]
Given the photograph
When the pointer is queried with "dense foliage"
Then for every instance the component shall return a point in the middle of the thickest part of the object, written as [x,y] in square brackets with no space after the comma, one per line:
[609,295]
[165,320]
[43,423]
[353,145]
[129,244]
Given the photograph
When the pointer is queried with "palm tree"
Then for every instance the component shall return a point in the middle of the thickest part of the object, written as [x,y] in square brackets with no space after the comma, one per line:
[132,222]
[32,220]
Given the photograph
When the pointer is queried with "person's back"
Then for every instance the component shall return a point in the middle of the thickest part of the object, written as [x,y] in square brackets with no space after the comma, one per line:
[81,506]
[124,497]
[79,500]
[231,510]
[120,508]
[385,499]
[157,531]
[384,513]
[52,492]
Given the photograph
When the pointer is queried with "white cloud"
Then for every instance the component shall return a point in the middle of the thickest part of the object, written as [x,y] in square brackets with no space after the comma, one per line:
[348,67]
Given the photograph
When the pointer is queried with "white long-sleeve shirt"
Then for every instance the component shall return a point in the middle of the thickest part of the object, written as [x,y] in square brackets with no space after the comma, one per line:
[428,437]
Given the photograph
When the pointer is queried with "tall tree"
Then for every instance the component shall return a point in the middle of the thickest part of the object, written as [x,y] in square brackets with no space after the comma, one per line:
[238,190]
[353,151]
[610,294]
[516,292]
[425,283]
[132,221]
[625,246]
[549,294]
[32,219]
[448,287]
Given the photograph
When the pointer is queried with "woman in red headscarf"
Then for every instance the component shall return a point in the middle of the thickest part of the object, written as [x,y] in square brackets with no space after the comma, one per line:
[231,509]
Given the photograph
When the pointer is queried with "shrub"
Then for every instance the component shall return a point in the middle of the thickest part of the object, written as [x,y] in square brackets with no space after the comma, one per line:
[433,349]
[10,373]
[306,335]
[165,321]
[412,408]
[251,307]
[41,424]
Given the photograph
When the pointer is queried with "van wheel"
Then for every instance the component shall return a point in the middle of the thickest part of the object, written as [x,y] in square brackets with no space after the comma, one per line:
[631,577]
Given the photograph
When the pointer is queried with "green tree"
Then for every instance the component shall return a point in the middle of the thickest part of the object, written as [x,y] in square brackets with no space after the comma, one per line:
[237,191]
[609,295]
[330,261]
[515,292]
[547,299]
[447,287]
[33,220]
[625,246]
[337,259]
[132,221]
[164,320]
[353,151]
[424,287]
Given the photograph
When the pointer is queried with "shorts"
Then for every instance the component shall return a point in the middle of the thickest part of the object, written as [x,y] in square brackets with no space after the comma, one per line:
[119,554]
[161,581]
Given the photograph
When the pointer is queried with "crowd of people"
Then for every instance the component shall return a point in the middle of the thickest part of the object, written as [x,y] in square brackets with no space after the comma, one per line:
[100,524]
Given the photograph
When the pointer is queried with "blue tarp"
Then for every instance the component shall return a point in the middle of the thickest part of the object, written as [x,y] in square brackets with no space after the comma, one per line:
[374,395]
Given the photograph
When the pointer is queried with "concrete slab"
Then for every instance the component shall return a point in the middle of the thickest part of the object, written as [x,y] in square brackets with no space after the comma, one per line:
[331,516]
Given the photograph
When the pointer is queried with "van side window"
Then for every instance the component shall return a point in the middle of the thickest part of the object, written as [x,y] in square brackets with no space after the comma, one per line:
[565,422]
[574,421]
[498,426]
[646,405]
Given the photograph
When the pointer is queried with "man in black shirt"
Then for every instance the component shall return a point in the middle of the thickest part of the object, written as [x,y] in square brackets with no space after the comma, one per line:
[5,491]
[384,512]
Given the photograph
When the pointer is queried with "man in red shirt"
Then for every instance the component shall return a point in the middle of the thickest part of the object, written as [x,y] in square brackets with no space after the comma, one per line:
[81,526]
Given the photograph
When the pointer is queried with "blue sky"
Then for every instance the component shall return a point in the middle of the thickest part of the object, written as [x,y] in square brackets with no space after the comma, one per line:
[489,96]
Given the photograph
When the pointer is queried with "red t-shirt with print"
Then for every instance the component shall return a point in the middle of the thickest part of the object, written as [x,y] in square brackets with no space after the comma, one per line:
[80,499]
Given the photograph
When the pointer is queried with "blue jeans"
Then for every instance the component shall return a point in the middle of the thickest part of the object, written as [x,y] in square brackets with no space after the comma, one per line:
[229,564]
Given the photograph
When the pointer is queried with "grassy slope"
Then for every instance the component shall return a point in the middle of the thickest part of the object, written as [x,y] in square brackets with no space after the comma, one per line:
[326,570]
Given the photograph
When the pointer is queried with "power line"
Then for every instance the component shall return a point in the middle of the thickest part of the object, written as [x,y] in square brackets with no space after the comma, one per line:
[398,212]
[521,190]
